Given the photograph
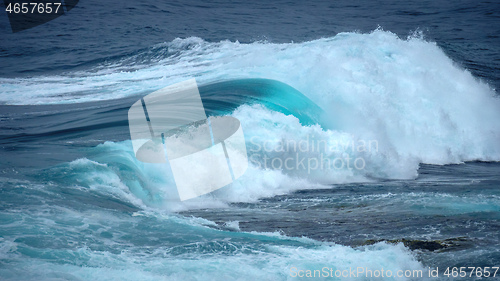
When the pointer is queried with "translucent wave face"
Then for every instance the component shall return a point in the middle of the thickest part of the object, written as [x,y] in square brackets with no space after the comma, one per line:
[204,154]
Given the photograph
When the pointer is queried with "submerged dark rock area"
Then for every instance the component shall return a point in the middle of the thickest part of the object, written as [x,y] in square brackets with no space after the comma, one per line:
[431,245]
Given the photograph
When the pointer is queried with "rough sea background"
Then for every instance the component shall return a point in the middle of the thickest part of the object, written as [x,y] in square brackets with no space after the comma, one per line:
[420,78]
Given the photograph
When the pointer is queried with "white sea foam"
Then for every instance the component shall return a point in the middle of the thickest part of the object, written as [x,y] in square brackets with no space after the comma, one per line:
[184,256]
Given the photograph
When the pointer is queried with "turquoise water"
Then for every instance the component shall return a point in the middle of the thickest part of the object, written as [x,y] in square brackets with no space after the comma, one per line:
[75,204]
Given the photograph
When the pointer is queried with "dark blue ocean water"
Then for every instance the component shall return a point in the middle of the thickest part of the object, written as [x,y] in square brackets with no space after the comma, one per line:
[419,78]
[96,32]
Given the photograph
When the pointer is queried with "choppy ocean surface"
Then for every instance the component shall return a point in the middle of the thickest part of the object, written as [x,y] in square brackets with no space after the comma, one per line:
[420,79]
